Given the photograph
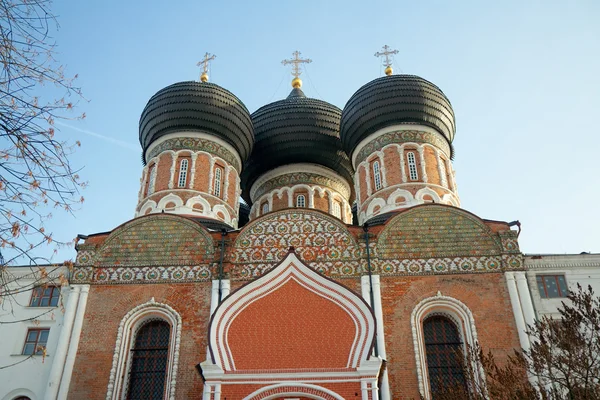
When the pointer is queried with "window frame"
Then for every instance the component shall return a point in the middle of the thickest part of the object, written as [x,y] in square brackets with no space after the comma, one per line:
[541,278]
[152,180]
[411,160]
[36,343]
[219,172]
[376,169]
[54,294]
[336,209]
[303,197]
[182,181]
[265,208]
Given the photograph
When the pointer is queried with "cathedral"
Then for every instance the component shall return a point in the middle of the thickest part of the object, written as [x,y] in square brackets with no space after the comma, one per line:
[299,252]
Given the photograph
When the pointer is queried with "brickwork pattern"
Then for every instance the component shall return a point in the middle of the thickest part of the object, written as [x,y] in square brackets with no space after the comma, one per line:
[195,145]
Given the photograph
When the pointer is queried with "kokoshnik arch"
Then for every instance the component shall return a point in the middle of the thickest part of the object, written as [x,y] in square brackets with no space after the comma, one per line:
[348,270]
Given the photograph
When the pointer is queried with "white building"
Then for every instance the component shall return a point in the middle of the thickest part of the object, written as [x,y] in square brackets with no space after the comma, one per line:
[40,321]
[550,276]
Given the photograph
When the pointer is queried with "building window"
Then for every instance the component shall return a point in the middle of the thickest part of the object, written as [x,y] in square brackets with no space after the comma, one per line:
[336,209]
[45,297]
[218,181]
[149,361]
[443,176]
[265,208]
[412,166]
[444,351]
[35,342]
[377,175]
[152,180]
[183,169]
[552,286]
[301,201]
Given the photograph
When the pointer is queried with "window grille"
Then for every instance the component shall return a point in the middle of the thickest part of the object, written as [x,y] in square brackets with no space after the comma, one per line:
[444,350]
[265,208]
[152,180]
[337,209]
[218,178]
[443,177]
[301,201]
[149,360]
[183,169]
[552,286]
[377,175]
[45,297]
[412,166]
[35,341]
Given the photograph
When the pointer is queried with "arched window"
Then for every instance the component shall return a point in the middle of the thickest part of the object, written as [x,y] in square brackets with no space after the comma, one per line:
[149,361]
[183,169]
[412,166]
[152,180]
[336,209]
[377,175]
[265,208]
[301,201]
[443,176]
[444,351]
[218,180]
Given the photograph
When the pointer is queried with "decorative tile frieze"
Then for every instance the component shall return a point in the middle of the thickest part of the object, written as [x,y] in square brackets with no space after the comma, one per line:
[152,274]
[302,178]
[196,144]
[400,137]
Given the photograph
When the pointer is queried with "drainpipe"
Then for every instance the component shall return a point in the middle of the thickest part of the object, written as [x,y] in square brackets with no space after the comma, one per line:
[371,294]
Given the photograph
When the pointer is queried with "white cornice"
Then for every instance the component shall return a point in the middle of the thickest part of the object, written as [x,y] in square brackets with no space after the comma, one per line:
[553,261]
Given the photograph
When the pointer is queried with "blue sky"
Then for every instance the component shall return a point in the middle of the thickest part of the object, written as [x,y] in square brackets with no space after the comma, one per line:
[522,77]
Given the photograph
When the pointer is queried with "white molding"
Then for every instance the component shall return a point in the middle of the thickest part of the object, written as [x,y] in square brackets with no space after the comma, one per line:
[558,261]
[133,319]
[456,310]
[195,135]
[291,268]
[254,394]
[295,168]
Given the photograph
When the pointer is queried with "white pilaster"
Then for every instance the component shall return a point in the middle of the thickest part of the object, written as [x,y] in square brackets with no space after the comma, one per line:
[367,167]
[73,343]
[211,171]
[517,310]
[378,309]
[402,167]
[60,354]
[525,297]
[421,151]
[228,169]
[173,167]
[193,171]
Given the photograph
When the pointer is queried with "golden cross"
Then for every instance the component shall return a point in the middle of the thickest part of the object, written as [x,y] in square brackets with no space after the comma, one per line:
[296,61]
[204,63]
[386,53]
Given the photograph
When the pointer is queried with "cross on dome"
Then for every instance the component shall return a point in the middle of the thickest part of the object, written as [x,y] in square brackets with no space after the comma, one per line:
[204,64]
[296,61]
[387,62]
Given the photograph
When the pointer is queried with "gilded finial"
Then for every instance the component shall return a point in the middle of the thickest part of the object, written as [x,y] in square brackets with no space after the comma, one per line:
[204,63]
[296,61]
[387,63]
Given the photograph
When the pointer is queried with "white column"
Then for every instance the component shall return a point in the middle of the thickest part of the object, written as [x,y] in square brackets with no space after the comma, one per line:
[378,309]
[402,168]
[207,390]
[364,389]
[74,343]
[311,198]
[367,167]
[211,170]
[290,194]
[225,288]
[421,151]
[364,288]
[226,170]
[193,171]
[173,167]
[525,297]
[517,311]
[218,391]
[60,353]
[374,390]
[357,187]
[382,170]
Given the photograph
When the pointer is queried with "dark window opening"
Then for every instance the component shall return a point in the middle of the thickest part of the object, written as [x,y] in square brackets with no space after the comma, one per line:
[445,359]
[36,341]
[149,359]
[552,286]
[45,296]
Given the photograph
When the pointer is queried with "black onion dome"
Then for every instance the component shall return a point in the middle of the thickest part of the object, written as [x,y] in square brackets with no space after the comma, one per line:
[197,106]
[392,100]
[296,130]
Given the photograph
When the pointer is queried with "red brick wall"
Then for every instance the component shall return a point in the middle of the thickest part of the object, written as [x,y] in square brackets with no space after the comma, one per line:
[107,305]
[486,296]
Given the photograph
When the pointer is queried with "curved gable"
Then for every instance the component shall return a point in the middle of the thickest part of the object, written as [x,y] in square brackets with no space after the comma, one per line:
[291,318]
[161,239]
[435,230]
[316,236]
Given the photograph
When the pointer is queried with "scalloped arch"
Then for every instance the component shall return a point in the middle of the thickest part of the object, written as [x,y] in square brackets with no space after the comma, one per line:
[435,230]
[157,239]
